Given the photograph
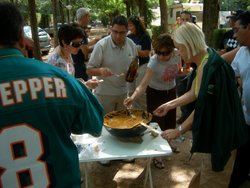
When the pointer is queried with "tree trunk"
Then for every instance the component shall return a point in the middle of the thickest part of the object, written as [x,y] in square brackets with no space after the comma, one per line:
[61,10]
[164,16]
[54,8]
[210,18]
[68,11]
[33,24]
[143,11]
[44,22]
[128,7]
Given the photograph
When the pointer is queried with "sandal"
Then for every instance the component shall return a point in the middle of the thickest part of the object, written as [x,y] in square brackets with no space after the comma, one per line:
[158,163]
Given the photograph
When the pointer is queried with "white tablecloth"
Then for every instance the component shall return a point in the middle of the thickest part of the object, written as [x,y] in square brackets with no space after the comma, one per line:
[108,147]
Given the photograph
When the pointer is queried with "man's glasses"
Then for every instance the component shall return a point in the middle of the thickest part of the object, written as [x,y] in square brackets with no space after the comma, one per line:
[75,44]
[123,33]
[164,53]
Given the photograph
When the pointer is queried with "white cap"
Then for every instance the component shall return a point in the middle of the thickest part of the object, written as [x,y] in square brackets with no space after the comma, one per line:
[81,12]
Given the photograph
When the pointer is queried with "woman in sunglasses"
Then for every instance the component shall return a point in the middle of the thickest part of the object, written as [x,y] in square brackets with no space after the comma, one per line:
[70,39]
[159,83]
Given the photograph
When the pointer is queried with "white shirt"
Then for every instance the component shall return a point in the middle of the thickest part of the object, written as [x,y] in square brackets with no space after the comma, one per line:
[56,60]
[164,72]
[241,66]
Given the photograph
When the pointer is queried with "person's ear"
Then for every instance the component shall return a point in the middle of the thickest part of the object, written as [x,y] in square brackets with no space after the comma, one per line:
[64,44]
[248,27]
[22,41]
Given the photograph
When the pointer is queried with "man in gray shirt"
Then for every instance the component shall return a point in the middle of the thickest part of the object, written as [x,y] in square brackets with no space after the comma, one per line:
[109,61]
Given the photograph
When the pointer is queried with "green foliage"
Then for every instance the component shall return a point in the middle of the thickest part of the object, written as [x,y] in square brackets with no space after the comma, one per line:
[153,3]
[228,5]
[45,7]
[217,36]
[156,30]
[103,10]
[184,1]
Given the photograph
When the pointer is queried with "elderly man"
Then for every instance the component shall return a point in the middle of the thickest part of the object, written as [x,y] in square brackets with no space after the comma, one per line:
[83,17]
[241,66]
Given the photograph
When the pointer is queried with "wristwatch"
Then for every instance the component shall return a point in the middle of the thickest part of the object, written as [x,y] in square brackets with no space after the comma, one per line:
[180,129]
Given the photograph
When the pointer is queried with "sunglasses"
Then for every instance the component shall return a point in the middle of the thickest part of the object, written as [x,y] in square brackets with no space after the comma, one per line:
[75,44]
[163,53]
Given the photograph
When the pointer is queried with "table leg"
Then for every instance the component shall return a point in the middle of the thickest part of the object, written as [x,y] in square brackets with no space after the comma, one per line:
[148,174]
[85,172]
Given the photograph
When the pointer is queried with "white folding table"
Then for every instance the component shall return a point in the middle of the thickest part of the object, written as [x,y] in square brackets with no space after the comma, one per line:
[108,147]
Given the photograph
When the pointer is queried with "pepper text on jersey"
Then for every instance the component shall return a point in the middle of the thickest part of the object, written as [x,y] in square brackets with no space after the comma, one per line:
[13,92]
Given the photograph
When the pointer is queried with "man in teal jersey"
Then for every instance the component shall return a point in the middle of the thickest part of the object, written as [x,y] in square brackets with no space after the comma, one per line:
[40,106]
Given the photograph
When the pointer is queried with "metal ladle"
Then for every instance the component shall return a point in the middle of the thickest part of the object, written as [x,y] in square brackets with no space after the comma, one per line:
[154,132]
[119,75]
[128,111]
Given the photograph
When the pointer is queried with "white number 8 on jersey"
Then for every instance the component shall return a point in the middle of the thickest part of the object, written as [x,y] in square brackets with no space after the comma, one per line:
[14,165]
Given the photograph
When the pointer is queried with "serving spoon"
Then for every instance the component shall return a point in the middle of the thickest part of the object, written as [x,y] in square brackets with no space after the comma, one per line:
[154,132]
[128,111]
[119,75]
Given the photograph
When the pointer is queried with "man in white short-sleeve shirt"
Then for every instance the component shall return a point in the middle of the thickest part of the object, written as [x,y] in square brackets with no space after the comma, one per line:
[109,61]
[241,66]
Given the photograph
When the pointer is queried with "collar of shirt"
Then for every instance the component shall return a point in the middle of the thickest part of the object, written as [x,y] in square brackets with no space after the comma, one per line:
[8,52]
[116,46]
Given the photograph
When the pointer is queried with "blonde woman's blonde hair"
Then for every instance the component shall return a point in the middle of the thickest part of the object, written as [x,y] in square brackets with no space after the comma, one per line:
[192,37]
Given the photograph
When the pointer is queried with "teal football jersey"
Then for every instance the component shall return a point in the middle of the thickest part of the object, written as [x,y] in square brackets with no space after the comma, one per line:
[41,106]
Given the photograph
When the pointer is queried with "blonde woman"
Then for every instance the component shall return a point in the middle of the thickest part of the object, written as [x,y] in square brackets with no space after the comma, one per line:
[217,122]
